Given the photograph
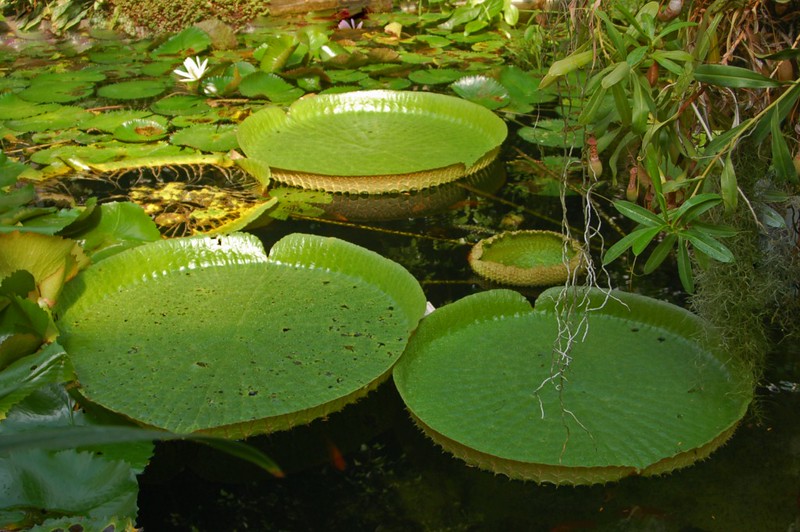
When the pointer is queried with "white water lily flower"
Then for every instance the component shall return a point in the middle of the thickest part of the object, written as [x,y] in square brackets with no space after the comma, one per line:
[194,69]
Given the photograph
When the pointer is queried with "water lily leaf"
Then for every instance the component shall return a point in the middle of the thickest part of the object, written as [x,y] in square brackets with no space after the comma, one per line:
[648,391]
[71,482]
[180,104]
[482,90]
[553,133]
[207,137]
[523,88]
[117,226]
[141,129]
[111,120]
[86,75]
[111,54]
[62,117]
[23,377]
[51,259]
[435,76]
[218,86]
[271,86]
[57,91]
[312,327]
[132,90]
[351,138]
[190,41]
[12,107]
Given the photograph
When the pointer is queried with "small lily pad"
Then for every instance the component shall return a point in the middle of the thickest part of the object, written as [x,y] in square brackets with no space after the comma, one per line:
[180,104]
[62,117]
[207,137]
[132,90]
[435,76]
[527,258]
[482,90]
[12,107]
[57,91]
[111,120]
[141,130]
[188,42]
[553,133]
[271,86]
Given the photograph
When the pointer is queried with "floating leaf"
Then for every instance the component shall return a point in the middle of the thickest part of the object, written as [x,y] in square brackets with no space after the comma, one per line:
[188,42]
[237,373]
[12,107]
[482,90]
[141,130]
[350,139]
[553,133]
[132,90]
[647,391]
[180,104]
[61,117]
[57,91]
[111,120]
[207,137]
[271,86]
[435,76]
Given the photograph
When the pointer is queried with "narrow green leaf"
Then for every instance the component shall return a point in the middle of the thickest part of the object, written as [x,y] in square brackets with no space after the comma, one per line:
[622,245]
[708,245]
[594,103]
[735,77]
[721,141]
[715,230]
[653,170]
[643,239]
[565,66]
[619,73]
[638,214]
[781,109]
[622,103]
[669,64]
[781,157]
[660,253]
[617,39]
[685,266]
[728,185]
[641,110]
[673,27]
[780,55]
[770,217]
[636,56]
[697,205]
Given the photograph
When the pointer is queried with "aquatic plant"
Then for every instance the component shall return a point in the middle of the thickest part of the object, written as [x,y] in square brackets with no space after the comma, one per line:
[193,71]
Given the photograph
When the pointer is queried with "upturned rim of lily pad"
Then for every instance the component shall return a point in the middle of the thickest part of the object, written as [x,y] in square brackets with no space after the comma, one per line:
[527,258]
[362,142]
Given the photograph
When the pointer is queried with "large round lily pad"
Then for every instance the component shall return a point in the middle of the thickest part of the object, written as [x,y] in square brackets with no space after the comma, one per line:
[647,391]
[373,141]
[211,335]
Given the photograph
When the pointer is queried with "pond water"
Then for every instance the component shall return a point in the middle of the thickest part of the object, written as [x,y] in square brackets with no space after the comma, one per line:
[368,467]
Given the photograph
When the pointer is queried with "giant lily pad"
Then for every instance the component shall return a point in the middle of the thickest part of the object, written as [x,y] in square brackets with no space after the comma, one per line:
[211,335]
[648,390]
[373,141]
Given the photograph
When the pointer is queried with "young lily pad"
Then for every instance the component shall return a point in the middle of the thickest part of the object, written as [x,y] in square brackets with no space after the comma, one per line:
[648,389]
[435,76]
[62,117]
[141,130]
[57,91]
[12,107]
[482,90]
[527,258]
[207,137]
[239,343]
[111,120]
[190,41]
[271,86]
[180,104]
[132,90]
[553,133]
[361,141]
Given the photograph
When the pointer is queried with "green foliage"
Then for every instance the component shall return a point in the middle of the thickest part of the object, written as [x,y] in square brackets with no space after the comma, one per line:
[62,14]
[162,16]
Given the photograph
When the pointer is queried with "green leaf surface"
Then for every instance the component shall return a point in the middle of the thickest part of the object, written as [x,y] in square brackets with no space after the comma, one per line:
[482,90]
[207,137]
[132,90]
[732,76]
[644,393]
[62,117]
[118,226]
[306,331]
[371,133]
[190,41]
[638,214]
